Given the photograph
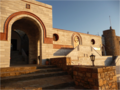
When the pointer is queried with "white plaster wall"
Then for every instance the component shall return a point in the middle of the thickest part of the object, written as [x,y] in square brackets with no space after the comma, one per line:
[117,61]
[83,51]
[99,61]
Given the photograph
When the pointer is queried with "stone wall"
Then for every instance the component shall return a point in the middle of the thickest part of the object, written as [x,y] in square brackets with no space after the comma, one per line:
[118,43]
[60,61]
[111,44]
[65,44]
[65,38]
[95,77]
[39,14]
[99,61]
[44,11]
[64,63]
[5,53]
[83,51]
[8,8]
[88,77]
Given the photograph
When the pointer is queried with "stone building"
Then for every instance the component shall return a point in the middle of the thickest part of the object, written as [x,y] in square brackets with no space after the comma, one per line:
[27,37]
[111,42]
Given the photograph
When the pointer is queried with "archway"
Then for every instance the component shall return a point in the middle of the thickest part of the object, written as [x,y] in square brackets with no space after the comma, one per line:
[31,30]
[103,50]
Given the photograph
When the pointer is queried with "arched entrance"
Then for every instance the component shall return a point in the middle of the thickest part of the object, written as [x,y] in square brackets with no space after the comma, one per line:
[31,30]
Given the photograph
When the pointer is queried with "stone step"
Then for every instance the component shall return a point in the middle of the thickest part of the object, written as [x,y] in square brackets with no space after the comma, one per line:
[24,67]
[56,82]
[16,73]
[45,66]
[14,51]
[17,62]
[32,76]
[17,57]
[72,88]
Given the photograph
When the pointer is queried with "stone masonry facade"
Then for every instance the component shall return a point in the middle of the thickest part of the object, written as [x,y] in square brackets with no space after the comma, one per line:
[95,77]
[89,77]
[35,20]
[112,42]
[38,16]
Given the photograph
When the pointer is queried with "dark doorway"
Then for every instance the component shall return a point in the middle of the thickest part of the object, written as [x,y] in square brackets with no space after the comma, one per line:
[26,47]
[14,44]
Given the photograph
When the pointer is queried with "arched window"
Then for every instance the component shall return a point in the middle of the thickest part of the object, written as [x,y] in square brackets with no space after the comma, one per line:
[93,41]
[76,41]
[55,37]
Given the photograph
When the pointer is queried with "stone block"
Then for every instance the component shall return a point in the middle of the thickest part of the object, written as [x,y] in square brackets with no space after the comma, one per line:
[74,72]
[100,70]
[94,75]
[102,75]
[100,82]
[114,78]
[88,74]
[90,80]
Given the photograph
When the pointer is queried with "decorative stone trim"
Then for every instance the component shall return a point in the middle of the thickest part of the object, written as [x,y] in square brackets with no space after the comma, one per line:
[48,40]
[28,6]
[4,35]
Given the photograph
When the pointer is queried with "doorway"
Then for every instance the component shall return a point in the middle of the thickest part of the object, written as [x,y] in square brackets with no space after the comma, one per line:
[14,44]
[28,47]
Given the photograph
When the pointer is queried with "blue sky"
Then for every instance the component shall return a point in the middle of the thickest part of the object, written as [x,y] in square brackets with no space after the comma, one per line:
[85,15]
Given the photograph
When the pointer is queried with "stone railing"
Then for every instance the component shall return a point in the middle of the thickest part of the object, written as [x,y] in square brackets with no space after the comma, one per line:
[88,77]
[117,61]
[97,53]
[83,51]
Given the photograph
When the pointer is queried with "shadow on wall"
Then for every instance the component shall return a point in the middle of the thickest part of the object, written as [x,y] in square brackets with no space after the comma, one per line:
[108,61]
[62,52]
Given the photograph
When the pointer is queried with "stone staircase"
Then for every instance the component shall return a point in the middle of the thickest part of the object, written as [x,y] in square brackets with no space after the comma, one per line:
[17,58]
[35,78]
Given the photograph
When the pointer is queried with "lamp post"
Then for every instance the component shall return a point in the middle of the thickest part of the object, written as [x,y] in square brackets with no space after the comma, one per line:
[92,57]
